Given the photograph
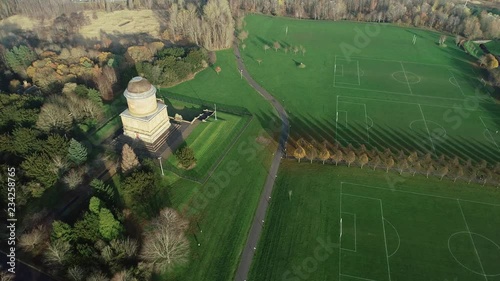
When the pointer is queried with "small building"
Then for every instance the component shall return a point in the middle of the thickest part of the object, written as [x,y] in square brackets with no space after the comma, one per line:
[146,118]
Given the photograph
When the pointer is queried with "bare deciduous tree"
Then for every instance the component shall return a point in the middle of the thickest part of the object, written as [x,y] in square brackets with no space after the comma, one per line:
[350,158]
[123,275]
[217,25]
[54,118]
[166,246]
[76,273]
[57,253]
[97,276]
[389,163]
[73,178]
[311,152]
[243,35]
[32,242]
[324,154]
[443,171]
[337,156]
[5,276]
[376,161]
[403,165]
[276,45]
[129,159]
[363,159]
[299,153]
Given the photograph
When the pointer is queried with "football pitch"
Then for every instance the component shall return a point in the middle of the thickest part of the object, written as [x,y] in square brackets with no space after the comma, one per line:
[437,108]
[353,224]
[388,93]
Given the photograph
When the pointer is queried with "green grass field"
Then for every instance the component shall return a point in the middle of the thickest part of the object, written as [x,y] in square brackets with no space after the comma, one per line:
[188,111]
[494,46]
[388,93]
[209,141]
[225,218]
[393,227]
[385,92]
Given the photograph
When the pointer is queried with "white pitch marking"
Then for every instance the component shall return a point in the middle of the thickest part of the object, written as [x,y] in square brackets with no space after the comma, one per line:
[470,234]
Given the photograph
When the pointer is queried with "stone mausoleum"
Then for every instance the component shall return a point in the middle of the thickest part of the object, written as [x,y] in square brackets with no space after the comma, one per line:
[146,118]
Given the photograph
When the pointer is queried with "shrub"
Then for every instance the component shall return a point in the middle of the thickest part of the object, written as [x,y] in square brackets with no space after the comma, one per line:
[185,156]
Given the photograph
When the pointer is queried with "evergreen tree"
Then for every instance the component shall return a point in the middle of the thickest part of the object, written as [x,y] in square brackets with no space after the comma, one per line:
[87,228]
[19,58]
[102,190]
[25,141]
[41,169]
[77,153]
[185,156]
[109,227]
[95,205]
[56,145]
[61,230]
[139,187]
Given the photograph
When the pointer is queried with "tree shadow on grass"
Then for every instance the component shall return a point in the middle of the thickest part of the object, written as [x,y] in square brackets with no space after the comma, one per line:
[383,137]
[264,41]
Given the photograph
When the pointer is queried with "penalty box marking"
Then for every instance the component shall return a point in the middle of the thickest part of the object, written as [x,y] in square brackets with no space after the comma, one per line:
[413,103]
[417,193]
[382,221]
[346,123]
[357,277]
[489,132]
[355,233]
[398,93]
[342,65]
[457,84]
[421,112]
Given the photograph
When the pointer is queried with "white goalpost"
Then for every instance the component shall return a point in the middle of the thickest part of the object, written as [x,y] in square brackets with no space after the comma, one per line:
[340,236]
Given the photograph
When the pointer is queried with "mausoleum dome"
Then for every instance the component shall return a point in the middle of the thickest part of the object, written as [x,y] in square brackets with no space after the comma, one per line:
[141,97]
[138,85]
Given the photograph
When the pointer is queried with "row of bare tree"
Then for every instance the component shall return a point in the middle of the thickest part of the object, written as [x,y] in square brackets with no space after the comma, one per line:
[211,26]
[452,16]
[400,161]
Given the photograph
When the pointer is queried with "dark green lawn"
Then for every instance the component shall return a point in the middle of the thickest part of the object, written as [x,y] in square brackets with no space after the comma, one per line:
[494,47]
[393,227]
[209,141]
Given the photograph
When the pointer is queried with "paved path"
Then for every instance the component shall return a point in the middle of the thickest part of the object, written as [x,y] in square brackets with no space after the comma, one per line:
[260,214]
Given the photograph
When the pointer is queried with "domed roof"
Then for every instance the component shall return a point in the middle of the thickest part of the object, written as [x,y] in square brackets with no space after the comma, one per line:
[138,85]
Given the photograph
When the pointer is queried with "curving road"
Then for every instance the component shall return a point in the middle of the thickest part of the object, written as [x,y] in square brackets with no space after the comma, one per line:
[260,214]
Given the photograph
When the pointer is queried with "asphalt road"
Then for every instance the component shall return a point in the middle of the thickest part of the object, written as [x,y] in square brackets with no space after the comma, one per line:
[260,214]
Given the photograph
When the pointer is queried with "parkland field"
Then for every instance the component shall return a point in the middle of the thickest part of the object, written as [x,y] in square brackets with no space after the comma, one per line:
[210,141]
[350,224]
[370,84]
[380,86]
